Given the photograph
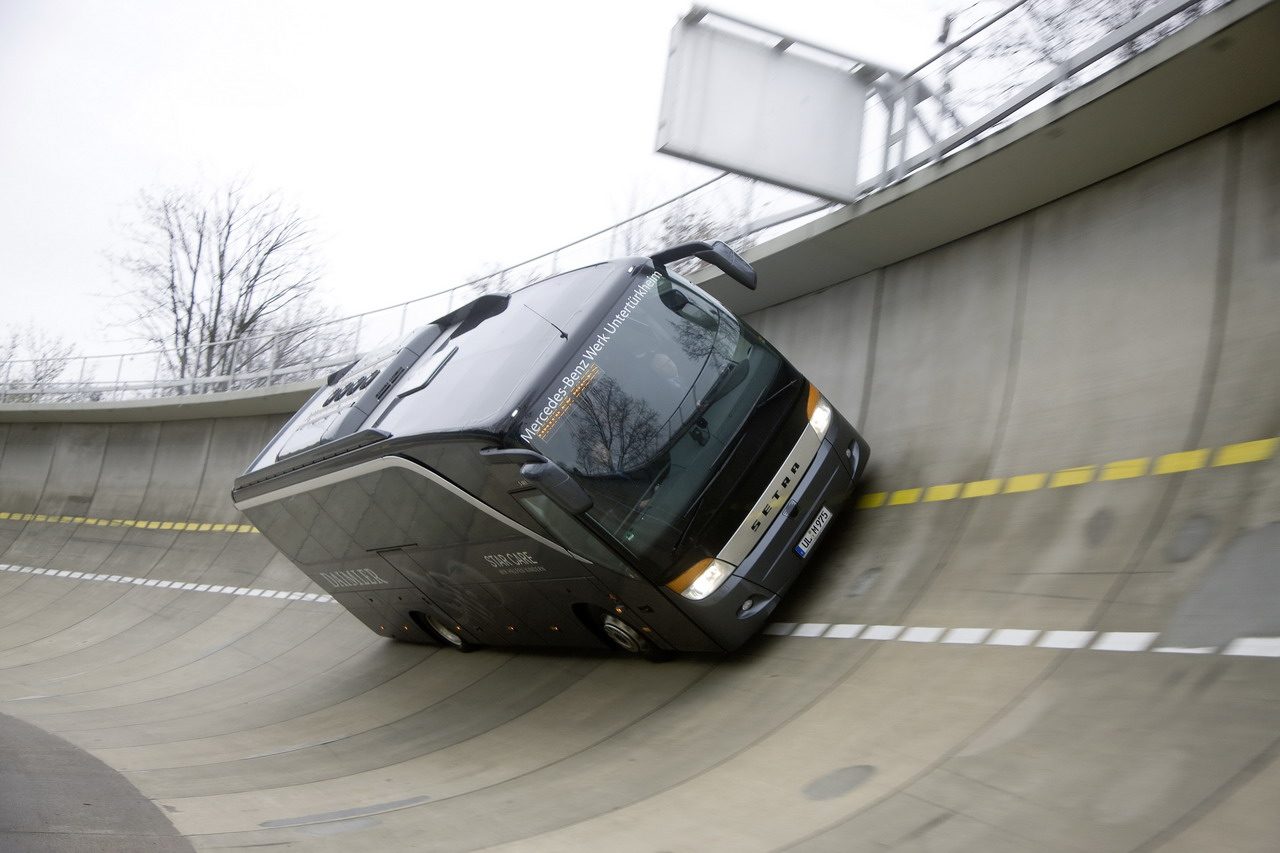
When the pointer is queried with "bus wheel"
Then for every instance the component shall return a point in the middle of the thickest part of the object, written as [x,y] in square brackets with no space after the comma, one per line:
[625,637]
[431,625]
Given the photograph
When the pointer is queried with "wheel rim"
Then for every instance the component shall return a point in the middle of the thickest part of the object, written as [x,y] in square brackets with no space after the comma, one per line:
[623,635]
[446,633]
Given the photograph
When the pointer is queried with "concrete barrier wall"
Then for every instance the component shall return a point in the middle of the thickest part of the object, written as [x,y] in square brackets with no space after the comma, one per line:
[1064,368]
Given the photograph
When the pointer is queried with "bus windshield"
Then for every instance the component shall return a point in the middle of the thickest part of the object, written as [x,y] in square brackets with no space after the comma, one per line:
[645,411]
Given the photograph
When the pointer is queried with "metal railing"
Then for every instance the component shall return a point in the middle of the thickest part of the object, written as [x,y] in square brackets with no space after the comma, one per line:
[1006,62]
[1005,65]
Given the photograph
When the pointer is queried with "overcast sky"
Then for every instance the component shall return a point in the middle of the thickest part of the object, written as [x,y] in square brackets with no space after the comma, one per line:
[425,141]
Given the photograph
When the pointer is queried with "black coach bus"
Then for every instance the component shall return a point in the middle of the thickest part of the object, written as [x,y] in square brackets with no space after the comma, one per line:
[606,456]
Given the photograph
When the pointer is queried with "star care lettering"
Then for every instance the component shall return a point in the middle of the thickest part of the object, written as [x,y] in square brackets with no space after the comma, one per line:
[514,563]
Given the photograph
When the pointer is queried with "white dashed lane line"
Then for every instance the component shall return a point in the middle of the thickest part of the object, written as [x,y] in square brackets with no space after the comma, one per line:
[1101,641]
[1265,647]
[183,586]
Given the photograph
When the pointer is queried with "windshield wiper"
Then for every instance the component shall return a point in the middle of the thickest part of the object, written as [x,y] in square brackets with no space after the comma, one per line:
[727,453]
[731,377]
[772,396]
[693,504]
[691,510]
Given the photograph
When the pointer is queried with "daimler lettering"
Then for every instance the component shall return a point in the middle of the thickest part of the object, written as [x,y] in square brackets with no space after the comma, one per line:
[353,577]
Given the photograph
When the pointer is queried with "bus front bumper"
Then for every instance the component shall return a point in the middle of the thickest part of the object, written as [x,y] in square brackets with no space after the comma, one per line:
[741,607]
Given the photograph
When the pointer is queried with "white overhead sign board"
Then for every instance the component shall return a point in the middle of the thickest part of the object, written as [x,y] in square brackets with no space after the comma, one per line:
[750,107]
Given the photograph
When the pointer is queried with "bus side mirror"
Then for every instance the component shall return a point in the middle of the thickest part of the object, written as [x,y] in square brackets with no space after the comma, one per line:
[717,254]
[554,482]
[674,300]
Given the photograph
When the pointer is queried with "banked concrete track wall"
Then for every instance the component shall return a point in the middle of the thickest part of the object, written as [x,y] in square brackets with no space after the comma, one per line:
[1046,628]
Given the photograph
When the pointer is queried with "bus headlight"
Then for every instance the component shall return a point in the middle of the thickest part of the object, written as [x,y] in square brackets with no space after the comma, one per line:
[702,578]
[819,412]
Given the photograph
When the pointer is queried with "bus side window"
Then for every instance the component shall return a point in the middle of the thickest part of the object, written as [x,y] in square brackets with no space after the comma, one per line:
[566,529]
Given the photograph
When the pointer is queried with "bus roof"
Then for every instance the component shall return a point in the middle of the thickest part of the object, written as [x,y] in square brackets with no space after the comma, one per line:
[493,359]
[464,373]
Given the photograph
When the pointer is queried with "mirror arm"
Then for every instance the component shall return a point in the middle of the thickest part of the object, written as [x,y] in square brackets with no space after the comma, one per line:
[500,456]
[717,254]
[554,482]
[550,479]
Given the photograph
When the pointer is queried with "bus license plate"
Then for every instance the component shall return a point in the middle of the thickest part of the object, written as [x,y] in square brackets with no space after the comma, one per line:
[814,531]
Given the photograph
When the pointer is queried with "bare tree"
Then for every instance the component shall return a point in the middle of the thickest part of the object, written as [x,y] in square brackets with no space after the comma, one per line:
[614,430]
[227,284]
[683,220]
[688,219]
[32,363]
[495,278]
[1041,35]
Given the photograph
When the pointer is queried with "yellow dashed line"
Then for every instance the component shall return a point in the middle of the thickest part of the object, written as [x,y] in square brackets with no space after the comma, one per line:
[1125,469]
[1176,463]
[1073,476]
[1025,483]
[980,488]
[137,524]
[1121,469]
[945,492]
[1246,451]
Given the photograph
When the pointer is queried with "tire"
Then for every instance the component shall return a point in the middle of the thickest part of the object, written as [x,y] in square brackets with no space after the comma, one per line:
[629,640]
[446,635]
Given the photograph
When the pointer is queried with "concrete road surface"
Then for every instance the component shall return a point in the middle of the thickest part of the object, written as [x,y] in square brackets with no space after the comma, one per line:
[1050,625]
